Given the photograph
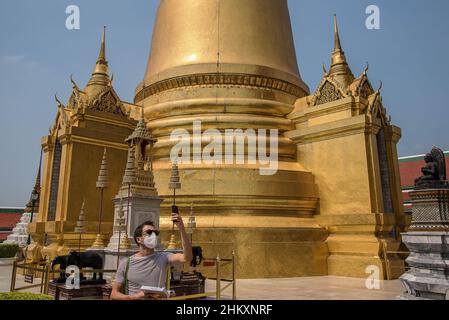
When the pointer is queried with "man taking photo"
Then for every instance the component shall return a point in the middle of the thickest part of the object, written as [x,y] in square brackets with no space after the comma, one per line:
[147,267]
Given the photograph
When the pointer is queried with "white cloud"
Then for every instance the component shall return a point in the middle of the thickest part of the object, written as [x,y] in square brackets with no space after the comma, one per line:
[13,59]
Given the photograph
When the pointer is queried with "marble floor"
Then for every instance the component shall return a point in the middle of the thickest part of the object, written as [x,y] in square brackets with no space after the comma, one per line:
[311,288]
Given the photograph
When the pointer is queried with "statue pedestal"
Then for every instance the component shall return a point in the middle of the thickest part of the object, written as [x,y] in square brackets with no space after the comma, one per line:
[429,265]
[430,210]
[427,241]
[90,292]
[141,208]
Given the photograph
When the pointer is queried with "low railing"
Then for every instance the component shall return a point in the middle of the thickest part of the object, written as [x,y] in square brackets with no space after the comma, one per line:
[45,270]
[388,265]
[218,263]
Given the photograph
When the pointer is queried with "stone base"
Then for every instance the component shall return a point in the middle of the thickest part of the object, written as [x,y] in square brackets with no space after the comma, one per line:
[429,263]
[430,210]
[141,208]
[90,292]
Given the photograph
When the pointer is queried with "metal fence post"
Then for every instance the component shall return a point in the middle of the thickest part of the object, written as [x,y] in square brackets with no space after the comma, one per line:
[14,275]
[217,269]
[387,261]
[234,284]
[47,277]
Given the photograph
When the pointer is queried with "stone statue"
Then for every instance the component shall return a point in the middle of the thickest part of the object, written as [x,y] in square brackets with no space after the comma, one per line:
[81,260]
[434,173]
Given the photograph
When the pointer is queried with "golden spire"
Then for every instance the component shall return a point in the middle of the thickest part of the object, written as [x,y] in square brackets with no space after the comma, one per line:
[102,55]
[337,46]
[340,70]
[100,75]
[81,223]
[35,194]
[103,179]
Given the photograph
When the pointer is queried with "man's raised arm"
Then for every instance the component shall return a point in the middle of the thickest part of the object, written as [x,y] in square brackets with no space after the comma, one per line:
[186,256]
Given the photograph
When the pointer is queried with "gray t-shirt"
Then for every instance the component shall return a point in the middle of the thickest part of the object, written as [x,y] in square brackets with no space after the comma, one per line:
[144,271]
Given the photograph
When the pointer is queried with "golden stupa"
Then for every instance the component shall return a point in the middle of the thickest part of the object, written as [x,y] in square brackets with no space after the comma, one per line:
[334,203]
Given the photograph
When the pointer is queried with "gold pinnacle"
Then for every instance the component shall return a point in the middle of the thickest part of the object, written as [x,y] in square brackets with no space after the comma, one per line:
[99,242]
[103,179]
[80,224]
[124,241]
[172,244]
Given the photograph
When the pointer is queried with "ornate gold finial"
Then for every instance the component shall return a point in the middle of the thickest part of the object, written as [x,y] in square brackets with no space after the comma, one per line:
[337,42]
[103,178]
[174,184]
[141,133]
[130,172]
[172,245]
[81,223]
[380,86]
[325,70]
[102,55]
[365,72]
[102,63]
[75,86]
[100,75]
[102,183]
[339,69]
[60,104]
[175,181]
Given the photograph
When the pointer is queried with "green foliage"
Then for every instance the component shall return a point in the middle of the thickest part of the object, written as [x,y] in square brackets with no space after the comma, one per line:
[8,250]
[24,296]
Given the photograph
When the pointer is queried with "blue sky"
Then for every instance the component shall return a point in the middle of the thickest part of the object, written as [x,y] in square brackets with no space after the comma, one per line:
[410,54]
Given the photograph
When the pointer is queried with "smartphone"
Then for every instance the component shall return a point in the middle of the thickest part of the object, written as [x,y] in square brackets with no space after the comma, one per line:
[175,209]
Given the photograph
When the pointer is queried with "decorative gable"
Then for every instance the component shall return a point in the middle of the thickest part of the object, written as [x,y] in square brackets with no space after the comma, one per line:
[376,109]
[108,101]
[327,92]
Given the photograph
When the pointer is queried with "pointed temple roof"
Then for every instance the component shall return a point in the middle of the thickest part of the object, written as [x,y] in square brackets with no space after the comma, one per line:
[340,82]
[340,70]
[99,93]
[100,76]
[36,190]
[141,132]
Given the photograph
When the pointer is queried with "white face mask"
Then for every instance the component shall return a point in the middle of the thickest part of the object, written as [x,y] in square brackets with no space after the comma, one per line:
[150,241]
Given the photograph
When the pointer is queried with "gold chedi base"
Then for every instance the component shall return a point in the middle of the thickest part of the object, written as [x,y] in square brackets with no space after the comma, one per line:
[124,242]
[172,243]
[265,247]
[99,242]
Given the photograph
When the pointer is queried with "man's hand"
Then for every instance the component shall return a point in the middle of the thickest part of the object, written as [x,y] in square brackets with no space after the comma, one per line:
[177,219]
[154,296]
[138,296]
